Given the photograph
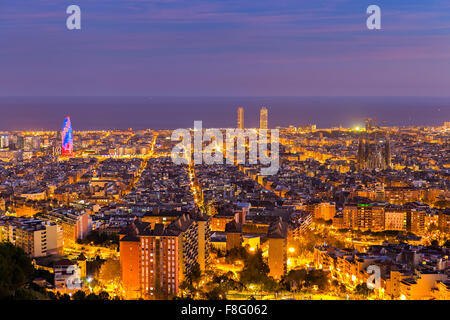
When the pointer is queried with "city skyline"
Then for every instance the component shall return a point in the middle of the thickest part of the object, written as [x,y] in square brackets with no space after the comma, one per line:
[120,219]
[190,150]
[108,113]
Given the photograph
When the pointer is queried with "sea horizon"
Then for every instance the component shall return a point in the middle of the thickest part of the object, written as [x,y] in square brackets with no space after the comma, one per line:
[171,112]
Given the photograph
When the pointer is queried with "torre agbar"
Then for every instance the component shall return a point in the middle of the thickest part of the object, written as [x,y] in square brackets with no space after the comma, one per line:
[67,138]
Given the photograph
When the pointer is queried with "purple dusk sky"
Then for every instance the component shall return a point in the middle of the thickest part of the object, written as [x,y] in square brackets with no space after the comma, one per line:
[225,48]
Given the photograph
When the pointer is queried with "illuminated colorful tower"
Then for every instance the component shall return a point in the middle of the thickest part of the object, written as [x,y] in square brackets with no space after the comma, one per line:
[67,138]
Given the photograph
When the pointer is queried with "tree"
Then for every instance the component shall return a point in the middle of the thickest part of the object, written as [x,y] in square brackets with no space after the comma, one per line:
[190,285]
[103,295]
[435,244]
[15,269]
[79,295]
[64,297]
[227,283]
[45,274]
[101,239]
[295,279]
[217,293]
[234,254]
[110,271]
[92,297]
[52,295]
[195,274]
[188,291]
[300,278]
[29,294]
[317,278]
[442,204]
[270,284]
[255,269]
[362,289]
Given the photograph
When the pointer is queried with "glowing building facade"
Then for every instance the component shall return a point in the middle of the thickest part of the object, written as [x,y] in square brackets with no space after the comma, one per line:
[67,138]
[240,118]
[263,114]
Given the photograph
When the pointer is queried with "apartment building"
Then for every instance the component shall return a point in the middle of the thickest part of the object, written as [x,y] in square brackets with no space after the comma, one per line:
[75,224]
[364,216]
[277,235]
[36,237]
[421,286]
[155,260]
[395,218]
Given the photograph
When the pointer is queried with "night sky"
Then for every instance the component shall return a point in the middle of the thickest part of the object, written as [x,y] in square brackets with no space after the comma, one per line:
[225,48]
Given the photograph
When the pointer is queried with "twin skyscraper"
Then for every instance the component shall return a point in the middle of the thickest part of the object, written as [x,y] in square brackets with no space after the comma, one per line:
[263,115]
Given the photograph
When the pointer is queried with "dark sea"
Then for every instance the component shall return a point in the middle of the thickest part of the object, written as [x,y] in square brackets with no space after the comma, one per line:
[98,113]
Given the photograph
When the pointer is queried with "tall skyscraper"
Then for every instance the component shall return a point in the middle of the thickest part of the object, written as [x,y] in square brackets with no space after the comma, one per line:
[67,138]
[240,118]
[263,118]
